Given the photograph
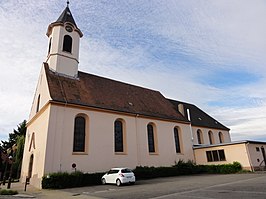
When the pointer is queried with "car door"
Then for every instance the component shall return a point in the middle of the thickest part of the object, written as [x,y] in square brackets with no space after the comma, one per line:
[111,176]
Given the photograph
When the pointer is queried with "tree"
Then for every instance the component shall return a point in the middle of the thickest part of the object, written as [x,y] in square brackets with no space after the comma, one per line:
[21,131]
[19,154]
[15,147]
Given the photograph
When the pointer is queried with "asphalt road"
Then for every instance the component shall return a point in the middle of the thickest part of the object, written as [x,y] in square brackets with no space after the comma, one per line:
[187,187]
[236,186]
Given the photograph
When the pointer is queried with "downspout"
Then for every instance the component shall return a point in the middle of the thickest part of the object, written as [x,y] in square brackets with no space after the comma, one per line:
[65,104]
[190,126]
[251,166]
[137,140]
[191,134]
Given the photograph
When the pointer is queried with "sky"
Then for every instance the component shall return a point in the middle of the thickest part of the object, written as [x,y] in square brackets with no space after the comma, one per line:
[205,52]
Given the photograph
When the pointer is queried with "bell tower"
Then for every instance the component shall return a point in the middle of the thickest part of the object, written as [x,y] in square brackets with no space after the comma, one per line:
[63,50]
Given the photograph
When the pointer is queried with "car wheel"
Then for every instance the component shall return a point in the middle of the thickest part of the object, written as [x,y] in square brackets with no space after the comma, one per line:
[103,181]
[132,183]
[118,182]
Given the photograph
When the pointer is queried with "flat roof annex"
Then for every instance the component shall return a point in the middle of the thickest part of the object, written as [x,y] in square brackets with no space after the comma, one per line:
[230,143]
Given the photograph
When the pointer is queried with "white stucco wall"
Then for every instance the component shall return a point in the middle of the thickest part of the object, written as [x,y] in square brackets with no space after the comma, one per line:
[38,127]
[43,91]
[59,60]
[233,152]
[215,132]
[100,154]
[256,157]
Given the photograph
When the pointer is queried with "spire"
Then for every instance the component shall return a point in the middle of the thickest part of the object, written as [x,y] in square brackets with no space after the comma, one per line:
[66,16]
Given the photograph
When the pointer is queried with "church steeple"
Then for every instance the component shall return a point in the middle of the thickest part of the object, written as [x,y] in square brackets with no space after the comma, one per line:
[66,16]
[64,36]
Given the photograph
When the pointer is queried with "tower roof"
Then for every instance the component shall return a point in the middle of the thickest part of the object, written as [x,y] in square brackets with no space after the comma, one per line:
[66,16]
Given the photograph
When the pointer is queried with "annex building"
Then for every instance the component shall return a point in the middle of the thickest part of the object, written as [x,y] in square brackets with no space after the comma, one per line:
[97,123]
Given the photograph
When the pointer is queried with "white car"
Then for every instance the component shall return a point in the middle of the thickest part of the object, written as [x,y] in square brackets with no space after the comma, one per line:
[119,176]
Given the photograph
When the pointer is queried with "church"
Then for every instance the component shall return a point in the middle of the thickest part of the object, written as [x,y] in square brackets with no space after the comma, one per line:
[80,121]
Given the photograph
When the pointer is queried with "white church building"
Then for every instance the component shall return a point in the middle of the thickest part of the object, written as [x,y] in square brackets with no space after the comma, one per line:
[98,123]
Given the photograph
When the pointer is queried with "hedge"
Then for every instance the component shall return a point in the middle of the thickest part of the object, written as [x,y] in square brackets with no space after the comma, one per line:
[62,180]
[8,192]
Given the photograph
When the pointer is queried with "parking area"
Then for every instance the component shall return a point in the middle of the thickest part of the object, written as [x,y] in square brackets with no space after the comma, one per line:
[184,187]
[196,186]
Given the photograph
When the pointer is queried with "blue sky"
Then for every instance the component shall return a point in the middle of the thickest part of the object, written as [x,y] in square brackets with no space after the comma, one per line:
[205,52]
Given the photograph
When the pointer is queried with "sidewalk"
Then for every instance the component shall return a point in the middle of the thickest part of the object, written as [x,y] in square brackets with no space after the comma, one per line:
[33,192]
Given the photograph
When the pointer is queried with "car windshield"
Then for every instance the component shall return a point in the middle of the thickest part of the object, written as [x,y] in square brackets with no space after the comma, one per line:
[126,171]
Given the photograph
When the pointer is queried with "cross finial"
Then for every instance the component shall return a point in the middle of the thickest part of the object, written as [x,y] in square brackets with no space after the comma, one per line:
[67,3]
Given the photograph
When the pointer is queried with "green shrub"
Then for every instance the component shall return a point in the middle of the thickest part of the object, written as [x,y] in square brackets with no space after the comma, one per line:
[185,168]
[8,192]
[63,180]
[180,168]
[221,168]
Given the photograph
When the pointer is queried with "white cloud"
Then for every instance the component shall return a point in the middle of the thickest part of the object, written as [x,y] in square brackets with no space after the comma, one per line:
[137,42]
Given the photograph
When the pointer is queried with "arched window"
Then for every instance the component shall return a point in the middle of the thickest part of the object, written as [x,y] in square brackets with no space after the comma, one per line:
[38,103]
[119,138]
[211,137]
[177,140]
[221,137]
[199,136]
[79,134]
[151,139]
[49,47]
[67,44]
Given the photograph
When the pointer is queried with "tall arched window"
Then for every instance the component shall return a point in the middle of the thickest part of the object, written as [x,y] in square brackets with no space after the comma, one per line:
[177,140]
[118,131]
[38,103]
[199,137]
[221,137]
[211,137]
[79,134]
[151,139]
[67,44]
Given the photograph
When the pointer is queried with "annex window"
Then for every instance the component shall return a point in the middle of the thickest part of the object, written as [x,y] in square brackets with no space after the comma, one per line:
[38,104]
[67,44]
[79,134]
[215,155]
[257,149]
[119,138]
[151,139]
[199,137]
[221,137]
[210,134]
[177,140]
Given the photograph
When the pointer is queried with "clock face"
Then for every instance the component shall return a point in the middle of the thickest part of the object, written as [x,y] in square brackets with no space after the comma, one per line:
[69,28]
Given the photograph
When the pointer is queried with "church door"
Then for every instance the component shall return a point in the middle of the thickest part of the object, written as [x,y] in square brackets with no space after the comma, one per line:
[30,166]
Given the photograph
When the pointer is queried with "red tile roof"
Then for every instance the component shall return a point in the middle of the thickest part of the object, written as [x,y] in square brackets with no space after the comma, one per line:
[98,92]
[199,117]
